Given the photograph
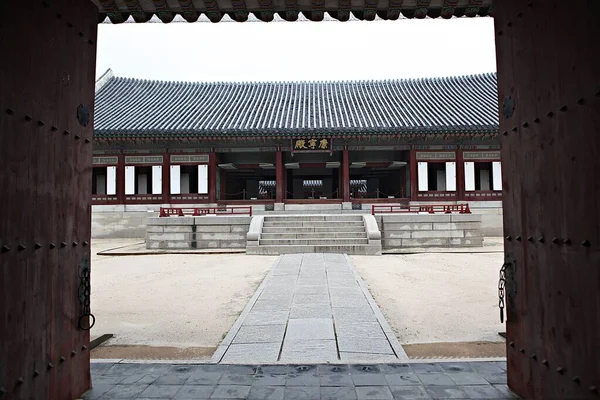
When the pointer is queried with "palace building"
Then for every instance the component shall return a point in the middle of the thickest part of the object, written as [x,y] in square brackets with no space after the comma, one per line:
[276,144]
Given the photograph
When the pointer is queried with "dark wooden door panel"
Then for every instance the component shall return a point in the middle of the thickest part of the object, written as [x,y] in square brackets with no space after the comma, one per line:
[549,98]
[47,71]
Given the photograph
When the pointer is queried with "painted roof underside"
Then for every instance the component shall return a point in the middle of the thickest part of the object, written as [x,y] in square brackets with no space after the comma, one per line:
[119,11]
[139,108]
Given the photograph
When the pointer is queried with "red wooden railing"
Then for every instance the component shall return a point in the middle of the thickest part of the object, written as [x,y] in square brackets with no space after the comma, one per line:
[431,209]
[180,212]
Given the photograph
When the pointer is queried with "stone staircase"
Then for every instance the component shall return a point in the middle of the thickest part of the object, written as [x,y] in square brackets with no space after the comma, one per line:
[337,233]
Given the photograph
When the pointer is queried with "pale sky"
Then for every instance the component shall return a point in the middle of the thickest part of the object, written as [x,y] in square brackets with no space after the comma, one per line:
[281,51]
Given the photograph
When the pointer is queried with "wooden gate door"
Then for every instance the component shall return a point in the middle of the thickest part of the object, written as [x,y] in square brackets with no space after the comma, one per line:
[549,96]
[48,51]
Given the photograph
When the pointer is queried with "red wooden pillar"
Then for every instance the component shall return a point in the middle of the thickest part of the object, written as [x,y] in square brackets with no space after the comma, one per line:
[413,175]
[121,179]
[212,177]
[346,176]
[166,178]
[279,179]
[223,185]
[460,175]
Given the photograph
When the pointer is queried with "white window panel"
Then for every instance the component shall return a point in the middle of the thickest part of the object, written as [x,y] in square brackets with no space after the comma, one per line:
[157,179]
[422,177]
[497,174]
[451,176]
[129,179]
[175,179]
[202,179]
[469,176]
[111,181]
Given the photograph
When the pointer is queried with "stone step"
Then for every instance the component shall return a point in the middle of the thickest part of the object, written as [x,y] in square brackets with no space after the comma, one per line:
[336,218]
[371,250]
[308,229]
[297,224]
[314,235]
[327,241]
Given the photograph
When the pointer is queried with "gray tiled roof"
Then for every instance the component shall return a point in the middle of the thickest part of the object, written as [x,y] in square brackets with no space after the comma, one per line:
[140,108]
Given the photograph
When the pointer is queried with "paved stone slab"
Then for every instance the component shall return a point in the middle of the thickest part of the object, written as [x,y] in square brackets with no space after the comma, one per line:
[308,350]
[296,307]
[299,381]
[256,352]
[309,329]
[311,311]
[260,334]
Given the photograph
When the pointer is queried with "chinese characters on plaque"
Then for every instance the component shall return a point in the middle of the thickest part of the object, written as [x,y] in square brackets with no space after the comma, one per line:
[312,144]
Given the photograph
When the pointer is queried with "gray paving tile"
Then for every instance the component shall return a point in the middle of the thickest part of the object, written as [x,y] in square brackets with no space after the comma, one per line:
[395,368]
[271,305]
[369,380]
[111,379]
[142,378]
[266,318]
[468,378]
[403,379]
[483,392]
[341,282]
[445,392]
[252,352]
[122,370]
[359,329]
[99,368]
[501,364]
[358,301]
[259,333]
[302,379]
[204,378]
[275,369]
[486,367]
[495,378]
[454,367]
[215,368]
[249,369]
[363,345]
[426,368]
[311,289]
[366,357]
[309,328]
[322,298]
[409,392]
[373,393]
[98,390]
[338,393]
[302,393]
[269,380]
[125,391]
[435,379]
[160,391]
[187,392]
[357,369]
[172,379]
[309,350]
[236,379]
[505,390]
[230,392]
[336,380]
[266,393]
[326,369]
[302,311]
[353,314]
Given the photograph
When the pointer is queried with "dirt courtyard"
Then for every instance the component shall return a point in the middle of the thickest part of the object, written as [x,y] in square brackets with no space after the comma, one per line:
[436,297]
[170,301]
[181,306]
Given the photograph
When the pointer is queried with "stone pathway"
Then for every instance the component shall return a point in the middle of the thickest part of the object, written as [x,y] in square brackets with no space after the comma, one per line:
[311,308]
[462,380]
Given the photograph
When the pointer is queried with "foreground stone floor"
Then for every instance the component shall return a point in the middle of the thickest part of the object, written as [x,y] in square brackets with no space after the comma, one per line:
[311,308]
[457,380]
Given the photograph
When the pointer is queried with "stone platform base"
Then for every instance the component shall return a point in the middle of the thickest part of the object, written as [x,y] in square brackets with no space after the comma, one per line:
[430,230]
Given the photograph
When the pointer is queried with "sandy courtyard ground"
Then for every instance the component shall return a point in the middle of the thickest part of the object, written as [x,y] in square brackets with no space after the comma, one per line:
[171,300]
[440,297]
